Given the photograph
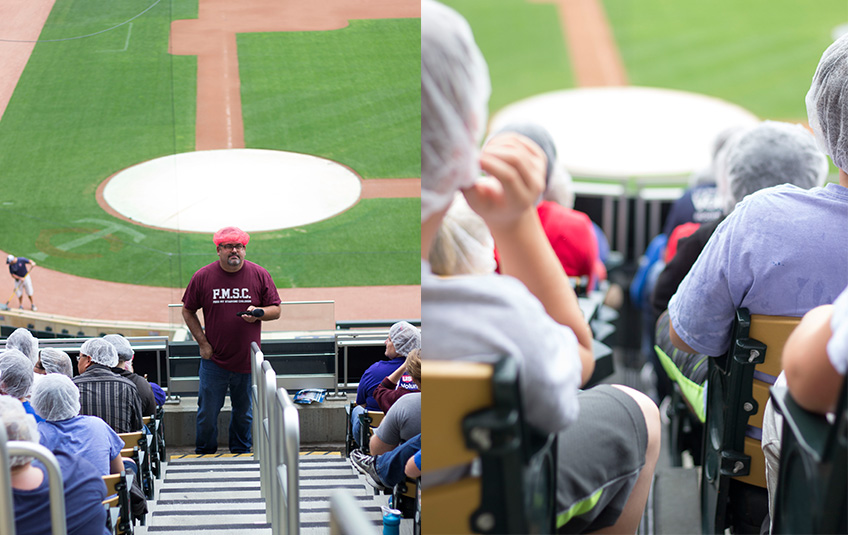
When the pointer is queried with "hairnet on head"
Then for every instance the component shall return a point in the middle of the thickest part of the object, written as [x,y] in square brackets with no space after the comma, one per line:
[405,337]
[56,361]
[540,136]
[122,346]
[23,340]
[56,398]
[15,374]
[231,235]
[560,188]
[765,155]
[463,244]
[19,426]
[454,95]
[100,351]
[827,102]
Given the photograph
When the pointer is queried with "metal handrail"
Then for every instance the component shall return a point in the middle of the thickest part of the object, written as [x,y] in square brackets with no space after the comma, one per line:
[54,476]
[268,437]
[256,360]
[287,469]
[7,508]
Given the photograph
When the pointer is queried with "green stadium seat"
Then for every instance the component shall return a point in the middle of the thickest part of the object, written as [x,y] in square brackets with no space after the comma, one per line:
[733,485]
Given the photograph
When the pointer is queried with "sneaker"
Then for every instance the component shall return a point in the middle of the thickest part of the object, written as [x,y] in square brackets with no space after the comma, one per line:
[34,308]
[367,465]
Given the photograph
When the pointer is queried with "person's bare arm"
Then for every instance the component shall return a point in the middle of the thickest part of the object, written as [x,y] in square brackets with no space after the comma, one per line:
[116,465]
[506,201]
[411,469]
[395,376]
[378,447]
[811,378]
[193,324]
[676,340]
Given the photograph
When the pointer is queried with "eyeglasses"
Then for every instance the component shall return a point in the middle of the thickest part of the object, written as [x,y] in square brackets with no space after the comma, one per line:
[81,356]
[233,246]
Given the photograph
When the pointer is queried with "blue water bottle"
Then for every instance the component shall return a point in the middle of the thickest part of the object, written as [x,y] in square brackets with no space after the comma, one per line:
[391,521]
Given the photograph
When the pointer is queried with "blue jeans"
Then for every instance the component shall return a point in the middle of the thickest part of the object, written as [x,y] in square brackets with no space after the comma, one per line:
[355,424]
[391,465]
[214,382]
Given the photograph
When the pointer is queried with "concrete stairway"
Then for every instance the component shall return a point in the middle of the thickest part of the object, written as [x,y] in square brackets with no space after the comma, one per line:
[219,494]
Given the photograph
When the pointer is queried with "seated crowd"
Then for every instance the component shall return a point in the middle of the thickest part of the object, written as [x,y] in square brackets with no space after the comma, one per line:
[78,419]
[394,388]
[776,247]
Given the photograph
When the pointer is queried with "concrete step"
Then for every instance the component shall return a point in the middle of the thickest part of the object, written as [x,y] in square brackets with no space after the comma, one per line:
[220,495]
[677,501]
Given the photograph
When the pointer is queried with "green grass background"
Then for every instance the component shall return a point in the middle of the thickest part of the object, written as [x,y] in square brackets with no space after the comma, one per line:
[85,109]
[296,98]
[759,54]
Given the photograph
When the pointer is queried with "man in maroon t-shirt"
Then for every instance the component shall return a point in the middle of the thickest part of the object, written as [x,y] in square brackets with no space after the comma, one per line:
[235,296]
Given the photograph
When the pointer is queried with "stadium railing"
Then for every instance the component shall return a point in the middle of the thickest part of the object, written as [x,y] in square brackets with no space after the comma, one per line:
[347,517]
[276,425]
[54,476]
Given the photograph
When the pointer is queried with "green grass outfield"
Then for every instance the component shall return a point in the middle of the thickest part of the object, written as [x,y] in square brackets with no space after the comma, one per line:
[87,108]
[759,54]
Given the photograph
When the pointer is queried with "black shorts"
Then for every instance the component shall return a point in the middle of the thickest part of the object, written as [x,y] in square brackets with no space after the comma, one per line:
[600,458]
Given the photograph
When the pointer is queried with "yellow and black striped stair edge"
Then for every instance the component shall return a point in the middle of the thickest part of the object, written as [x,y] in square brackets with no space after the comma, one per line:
[249,455]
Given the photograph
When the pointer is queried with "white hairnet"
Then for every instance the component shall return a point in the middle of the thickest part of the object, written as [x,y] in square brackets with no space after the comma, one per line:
[19,426]
[56,398]
[827,102]
[56,361]
[463,244]
[707,175]
[560,189]
[454,95]
[122,346]
[15,374]
[405,337]
[765,155]
[100,351]
[23,340]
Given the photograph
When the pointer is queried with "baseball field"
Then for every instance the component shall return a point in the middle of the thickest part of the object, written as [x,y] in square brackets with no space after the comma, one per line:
[758,54]
[102,92]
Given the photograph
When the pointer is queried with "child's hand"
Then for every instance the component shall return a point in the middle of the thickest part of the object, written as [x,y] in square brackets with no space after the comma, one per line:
[516,166]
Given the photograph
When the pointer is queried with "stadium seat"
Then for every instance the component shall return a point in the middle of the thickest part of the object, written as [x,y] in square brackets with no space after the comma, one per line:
[812,488]
[733,484]
[370,421]
[118,518]
[404,496]
[474,415]
[137,448]
[156,439]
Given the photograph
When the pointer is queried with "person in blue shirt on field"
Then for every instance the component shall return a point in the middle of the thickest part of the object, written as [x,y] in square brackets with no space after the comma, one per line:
[403,338]
[20,272]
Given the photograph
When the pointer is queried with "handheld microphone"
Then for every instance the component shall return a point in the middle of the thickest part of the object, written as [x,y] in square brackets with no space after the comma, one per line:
[256,312]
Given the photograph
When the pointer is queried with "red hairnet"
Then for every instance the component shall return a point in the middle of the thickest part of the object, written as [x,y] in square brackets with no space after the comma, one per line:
[231,235]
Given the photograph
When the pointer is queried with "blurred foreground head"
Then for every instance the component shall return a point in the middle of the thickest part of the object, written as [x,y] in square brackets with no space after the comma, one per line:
[454,96]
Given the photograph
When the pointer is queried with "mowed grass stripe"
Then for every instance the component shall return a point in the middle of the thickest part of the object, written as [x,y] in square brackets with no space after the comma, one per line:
[760,55]
[523,44]
[354,98]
